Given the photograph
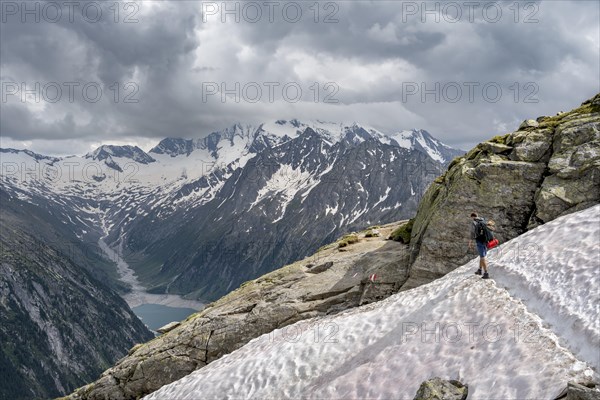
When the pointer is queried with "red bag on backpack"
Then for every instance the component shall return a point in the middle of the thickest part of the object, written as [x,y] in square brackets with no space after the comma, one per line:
[492,243]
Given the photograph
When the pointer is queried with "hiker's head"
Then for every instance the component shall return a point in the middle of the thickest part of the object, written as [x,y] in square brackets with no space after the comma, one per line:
[473,215]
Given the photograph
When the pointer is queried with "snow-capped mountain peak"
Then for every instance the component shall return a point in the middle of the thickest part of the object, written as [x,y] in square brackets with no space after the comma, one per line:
[294,164]
[237,140]
[111,154]
[29,153]
[420,139]
[259,176]
[109,151]
[174,147]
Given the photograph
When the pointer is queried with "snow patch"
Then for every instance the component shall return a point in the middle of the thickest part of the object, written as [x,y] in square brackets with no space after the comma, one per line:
[284,184]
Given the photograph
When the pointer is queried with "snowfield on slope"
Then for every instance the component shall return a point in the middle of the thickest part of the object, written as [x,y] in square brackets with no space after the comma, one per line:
[522,335]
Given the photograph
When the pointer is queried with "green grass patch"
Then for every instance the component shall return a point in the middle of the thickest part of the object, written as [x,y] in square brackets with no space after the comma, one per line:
[351,239]
[455,161]
[403,232]
[501,139]
[347,240]
[553,122]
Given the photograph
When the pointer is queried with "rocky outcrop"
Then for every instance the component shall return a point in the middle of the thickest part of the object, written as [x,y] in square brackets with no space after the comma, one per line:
[573,168]
[580,391]
[168,327]
[328,282]
[440,389]
[546,169]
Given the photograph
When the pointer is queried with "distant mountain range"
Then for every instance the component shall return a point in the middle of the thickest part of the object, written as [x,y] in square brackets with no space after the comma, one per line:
[201,216]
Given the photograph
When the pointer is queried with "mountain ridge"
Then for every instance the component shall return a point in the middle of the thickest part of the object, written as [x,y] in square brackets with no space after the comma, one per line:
[411,139]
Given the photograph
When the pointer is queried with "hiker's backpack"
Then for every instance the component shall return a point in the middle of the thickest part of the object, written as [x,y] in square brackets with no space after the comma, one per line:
[483,233]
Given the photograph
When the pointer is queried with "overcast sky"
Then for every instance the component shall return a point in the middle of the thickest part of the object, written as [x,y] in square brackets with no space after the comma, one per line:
[161,67]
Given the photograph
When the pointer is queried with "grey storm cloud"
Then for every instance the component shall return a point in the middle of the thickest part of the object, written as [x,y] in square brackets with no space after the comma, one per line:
[155,72]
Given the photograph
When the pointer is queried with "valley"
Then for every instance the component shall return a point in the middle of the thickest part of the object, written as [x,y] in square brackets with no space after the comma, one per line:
[155,310]
[271,194]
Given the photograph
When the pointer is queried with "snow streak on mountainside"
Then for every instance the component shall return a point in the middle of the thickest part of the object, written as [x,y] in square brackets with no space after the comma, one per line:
[270,194]
[524,334]
[423,141]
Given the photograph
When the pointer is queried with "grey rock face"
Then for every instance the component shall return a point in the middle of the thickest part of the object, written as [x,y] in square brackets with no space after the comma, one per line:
[440,389]
[580,391]
[59,327]
[529,123]
[320,268]
[168,327]
[573,168]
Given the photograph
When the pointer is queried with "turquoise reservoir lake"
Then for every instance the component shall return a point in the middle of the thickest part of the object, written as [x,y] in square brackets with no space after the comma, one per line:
[157,315]
[155,310]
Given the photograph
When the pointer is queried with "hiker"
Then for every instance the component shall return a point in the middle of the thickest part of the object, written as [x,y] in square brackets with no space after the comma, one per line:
[478,236]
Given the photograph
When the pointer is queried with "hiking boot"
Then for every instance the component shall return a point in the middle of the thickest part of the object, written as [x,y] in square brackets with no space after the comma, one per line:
[478,272]
[485,276]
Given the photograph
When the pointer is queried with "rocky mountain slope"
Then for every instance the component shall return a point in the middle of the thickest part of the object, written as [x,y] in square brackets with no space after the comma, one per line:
[328,282]
[521,180]
[59,326]
[270,194]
